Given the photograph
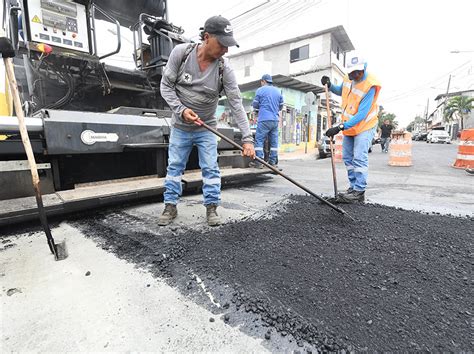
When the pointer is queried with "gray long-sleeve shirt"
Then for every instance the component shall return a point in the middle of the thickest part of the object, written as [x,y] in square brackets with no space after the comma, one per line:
[199,91]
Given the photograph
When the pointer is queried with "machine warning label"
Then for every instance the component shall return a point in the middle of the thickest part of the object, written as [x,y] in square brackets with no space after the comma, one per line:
[90,137]
[36,19]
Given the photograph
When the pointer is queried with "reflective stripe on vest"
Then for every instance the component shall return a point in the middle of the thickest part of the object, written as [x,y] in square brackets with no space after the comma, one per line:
[357,92]
[352,95]
[371,115]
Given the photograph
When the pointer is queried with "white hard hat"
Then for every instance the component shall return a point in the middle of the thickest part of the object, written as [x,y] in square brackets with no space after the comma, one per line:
[356,62]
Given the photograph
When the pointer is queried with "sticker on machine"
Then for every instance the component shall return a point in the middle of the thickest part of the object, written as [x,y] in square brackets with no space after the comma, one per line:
[36,19]
[90,137]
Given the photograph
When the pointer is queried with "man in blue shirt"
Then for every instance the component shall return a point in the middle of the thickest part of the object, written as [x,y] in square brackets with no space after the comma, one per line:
[269,102]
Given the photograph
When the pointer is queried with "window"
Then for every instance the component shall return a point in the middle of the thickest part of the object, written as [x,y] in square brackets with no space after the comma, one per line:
[300,53]
[247,71]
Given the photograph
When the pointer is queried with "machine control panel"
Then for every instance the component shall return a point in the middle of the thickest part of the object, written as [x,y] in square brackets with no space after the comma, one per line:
[61,23]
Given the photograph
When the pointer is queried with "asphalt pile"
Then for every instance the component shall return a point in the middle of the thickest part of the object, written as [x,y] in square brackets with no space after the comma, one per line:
[392,280]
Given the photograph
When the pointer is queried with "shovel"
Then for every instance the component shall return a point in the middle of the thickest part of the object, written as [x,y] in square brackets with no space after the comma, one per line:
[275,170]
[58,249]
[331,145]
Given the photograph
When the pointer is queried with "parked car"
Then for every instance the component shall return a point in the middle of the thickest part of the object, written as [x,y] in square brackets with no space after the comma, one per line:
[438,136]
[421,136]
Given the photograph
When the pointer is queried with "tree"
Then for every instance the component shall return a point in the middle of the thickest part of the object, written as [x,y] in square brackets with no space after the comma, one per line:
[416,122]
[458,108]
[390,116]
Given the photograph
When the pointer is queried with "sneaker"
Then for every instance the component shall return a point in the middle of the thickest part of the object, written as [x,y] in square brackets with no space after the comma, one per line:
[170,213]
[355,196]
[211,213]
[255,164]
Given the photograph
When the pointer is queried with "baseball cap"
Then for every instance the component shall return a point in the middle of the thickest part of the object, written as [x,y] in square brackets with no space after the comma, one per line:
[356,63]
[222,29]
[267,78]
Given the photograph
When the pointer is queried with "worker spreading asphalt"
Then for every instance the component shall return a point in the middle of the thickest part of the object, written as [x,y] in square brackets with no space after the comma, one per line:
[392,280]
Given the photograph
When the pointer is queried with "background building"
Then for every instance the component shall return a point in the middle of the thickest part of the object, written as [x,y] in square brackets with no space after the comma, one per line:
[297,65]
[436,119]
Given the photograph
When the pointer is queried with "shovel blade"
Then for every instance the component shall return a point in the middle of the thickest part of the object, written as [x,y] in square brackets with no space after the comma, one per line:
[61,251]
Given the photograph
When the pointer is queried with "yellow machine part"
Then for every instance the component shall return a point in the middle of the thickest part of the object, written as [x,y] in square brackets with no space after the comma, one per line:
[5,97]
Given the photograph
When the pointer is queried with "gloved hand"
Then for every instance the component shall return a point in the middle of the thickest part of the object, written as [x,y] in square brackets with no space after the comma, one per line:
[326,81]
[6,48]
[333,131]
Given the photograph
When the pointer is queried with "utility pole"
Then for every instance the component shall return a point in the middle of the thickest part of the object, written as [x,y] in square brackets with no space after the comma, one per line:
[426,116]
[446,97]
[447,90]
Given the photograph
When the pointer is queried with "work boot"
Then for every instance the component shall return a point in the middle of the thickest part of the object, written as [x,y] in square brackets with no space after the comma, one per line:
[355,196]
[211,213]
[347,192]
[170,213]
[275,166]
[255,164]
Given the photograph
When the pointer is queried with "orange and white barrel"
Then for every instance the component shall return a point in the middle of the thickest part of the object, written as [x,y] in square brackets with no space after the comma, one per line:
[400,150]
[338,148]
[465,156]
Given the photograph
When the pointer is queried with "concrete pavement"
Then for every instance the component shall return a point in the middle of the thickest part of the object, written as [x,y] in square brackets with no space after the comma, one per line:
[55,306]
[93,301]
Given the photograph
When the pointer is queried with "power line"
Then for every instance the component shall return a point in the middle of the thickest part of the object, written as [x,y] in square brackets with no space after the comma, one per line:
[258,24]
[254,8]
[233,7]
[423,87]
[243,20]
[287,13]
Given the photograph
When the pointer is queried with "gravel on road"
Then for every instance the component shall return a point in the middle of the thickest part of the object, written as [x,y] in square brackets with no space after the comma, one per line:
[393,280]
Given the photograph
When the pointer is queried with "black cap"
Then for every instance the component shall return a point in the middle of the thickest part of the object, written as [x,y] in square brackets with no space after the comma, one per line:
[222,29]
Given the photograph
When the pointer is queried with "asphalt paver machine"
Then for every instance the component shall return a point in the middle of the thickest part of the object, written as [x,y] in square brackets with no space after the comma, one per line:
[99,132]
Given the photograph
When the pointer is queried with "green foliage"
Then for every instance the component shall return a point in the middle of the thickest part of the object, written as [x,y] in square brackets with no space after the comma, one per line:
[458,107]
[417,120]
[390,116]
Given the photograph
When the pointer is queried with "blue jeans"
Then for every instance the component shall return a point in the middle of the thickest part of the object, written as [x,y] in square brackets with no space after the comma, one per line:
[267,128]
[181,144]
[355,154]
[385,142]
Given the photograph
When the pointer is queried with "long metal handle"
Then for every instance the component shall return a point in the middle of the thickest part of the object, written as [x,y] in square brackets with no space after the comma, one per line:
[266,164]
[331,145]
[29,153]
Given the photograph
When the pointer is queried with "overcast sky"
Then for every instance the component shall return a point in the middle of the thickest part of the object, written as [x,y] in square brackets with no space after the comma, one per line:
[407,43]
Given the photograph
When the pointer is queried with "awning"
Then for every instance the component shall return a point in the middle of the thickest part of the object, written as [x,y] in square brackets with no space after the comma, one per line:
[286,82]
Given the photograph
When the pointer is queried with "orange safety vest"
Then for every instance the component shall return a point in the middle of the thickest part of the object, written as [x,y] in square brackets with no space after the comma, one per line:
[352,95]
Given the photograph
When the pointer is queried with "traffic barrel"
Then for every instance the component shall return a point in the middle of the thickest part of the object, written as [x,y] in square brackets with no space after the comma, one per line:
[465,156]
[338,148]
[400,150]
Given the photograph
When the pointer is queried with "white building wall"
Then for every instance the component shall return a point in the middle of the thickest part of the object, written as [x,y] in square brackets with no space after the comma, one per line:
[319,57]
[276,61]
